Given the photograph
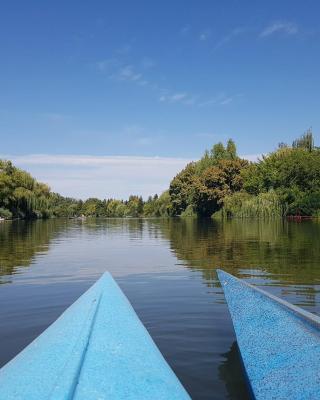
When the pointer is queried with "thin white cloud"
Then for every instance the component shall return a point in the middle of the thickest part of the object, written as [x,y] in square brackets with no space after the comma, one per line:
[185,30]
[177,97]
[229,37]
[107,65]
[88,160]
[84,176]
[143,82]
[127,73]
[145,140]
[226,101]
[118,70]
[205,35]
[121,71]
[133,130]
[55,117]
[124,50]
[286,27]
[195,100]
[147,63]
[219,100]
[191,101]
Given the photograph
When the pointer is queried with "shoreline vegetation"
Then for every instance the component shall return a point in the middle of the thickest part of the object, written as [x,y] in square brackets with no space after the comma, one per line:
[284,183]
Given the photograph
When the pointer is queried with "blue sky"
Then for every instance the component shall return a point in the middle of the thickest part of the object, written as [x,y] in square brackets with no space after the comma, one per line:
[145,79]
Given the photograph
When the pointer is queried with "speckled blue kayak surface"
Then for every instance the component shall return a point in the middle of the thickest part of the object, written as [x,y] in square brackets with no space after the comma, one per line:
[279,343]
[97,349]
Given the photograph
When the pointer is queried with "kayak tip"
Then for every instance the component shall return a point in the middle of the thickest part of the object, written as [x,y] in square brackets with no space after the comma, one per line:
[222,275]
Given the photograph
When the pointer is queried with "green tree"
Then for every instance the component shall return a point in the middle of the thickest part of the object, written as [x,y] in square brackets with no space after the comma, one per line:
[305,142]
[231,149]
[216,183]
[182,188]
[218,151]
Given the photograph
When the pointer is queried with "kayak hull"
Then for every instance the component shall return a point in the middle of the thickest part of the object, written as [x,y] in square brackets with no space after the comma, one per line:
[279,343]
[97,349]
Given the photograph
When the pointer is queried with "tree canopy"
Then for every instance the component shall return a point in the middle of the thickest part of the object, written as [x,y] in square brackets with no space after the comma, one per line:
[203,185]
[284,182]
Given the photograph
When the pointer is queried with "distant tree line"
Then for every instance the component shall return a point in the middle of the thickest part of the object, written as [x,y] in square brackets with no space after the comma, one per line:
[21,196]
[221,184]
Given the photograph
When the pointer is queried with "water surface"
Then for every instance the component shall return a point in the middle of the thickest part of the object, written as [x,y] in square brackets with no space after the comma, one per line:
[167,270]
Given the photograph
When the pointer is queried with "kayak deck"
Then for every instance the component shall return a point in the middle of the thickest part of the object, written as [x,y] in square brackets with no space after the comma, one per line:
[279,343]
[97,349]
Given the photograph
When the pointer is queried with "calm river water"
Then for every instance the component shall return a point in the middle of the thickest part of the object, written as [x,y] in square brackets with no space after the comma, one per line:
[167,270]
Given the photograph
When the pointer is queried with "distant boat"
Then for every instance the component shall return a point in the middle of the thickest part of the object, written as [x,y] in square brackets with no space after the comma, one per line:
[279,343]
[97,349]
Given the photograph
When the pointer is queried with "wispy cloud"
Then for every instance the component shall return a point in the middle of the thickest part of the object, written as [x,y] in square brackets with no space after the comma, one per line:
[124,50]
[127,73]
[185,30]
[227,100]
[108,64]
[179,98]
[119,69]
[286,27]
[83,176]
[145,141]
[138,135]
[147,63]
[90,160]
[230,36]
[219,100]
[191,100]
[55,117]
[174,98]
[205,35]
[196,100]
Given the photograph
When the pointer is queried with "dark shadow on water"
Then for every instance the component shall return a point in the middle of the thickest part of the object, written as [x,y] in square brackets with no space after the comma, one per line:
[231,371]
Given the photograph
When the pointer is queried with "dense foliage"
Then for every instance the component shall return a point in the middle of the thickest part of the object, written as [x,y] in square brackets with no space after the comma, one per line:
[284,182]
[20,194]
[201,188]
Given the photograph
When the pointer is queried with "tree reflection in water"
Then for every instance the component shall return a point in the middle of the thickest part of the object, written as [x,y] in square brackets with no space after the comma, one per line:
[274,253]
